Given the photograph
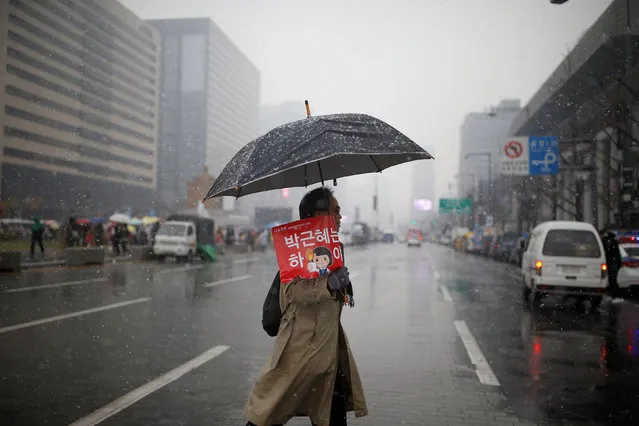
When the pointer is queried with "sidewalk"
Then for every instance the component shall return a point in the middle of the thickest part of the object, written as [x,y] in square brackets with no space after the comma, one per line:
[55,256]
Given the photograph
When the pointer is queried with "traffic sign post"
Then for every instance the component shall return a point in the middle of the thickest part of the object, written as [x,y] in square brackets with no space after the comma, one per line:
[530,156]
[544,155]
[455,206]
[515,157]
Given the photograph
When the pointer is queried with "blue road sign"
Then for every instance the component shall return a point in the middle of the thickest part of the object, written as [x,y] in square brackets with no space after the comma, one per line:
[544,155]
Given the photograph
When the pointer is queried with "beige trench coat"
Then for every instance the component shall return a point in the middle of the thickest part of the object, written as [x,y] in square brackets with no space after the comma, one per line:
[299,377]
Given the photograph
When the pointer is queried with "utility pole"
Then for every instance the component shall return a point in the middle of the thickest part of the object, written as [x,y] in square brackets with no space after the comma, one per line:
[491,192]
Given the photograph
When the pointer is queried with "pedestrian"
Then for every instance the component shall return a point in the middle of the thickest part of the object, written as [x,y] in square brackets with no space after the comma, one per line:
[37,234]
[311,371]
[613,261]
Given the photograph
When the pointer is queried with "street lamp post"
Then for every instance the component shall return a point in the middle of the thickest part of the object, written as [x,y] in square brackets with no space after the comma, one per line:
[471,220]
[490,177]
[470,175]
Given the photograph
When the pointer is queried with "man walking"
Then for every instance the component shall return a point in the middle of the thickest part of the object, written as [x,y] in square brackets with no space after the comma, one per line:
[37,234]
[311,371]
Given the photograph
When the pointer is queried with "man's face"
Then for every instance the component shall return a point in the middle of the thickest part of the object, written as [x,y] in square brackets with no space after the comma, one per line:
[333,210]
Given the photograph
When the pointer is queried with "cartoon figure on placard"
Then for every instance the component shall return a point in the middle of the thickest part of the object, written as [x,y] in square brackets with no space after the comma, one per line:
[320,259]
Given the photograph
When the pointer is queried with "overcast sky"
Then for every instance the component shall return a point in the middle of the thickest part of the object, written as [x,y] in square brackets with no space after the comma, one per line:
[421,65]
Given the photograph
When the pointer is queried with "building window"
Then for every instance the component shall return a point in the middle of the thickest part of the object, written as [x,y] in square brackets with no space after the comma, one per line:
[82,149]
[77,165]
[193,63]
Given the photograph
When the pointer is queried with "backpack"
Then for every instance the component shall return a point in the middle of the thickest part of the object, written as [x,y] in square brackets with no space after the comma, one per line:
[272,313]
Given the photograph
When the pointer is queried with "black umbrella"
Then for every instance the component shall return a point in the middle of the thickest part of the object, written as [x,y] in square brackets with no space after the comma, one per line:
[312,150]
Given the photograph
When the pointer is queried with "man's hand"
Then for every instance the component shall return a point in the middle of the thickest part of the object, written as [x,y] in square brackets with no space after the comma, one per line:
[338,279]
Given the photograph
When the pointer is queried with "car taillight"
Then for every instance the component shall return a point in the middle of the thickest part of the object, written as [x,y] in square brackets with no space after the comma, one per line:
[628,264]
[604,270]
[538,267]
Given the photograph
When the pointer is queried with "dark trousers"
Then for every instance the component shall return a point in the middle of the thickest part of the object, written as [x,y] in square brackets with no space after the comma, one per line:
[36,239]
[613,285]
[338,405]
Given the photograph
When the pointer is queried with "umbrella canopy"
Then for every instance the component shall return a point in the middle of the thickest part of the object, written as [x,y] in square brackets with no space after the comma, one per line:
[315,149]
[149,220]
[83,221]
[136,221]
[97,220]
[52,224]
[120,218]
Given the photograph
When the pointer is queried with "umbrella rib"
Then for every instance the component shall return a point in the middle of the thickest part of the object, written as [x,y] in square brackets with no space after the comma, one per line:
[320,172]
[375,162]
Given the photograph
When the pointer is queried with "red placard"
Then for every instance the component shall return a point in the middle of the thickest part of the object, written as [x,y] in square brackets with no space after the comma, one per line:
[307,248]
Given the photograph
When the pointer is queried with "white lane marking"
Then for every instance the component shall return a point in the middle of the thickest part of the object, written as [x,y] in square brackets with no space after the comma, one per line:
[437,275]
[56,285]
[72,315]
[182,269]
[482,368]
[249,260]
[446,294]
[125,401]
[228,280]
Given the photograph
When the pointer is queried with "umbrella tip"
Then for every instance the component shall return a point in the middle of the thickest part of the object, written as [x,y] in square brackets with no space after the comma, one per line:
[308,108]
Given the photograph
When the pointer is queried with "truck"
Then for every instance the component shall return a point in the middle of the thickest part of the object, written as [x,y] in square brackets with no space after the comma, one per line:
[185,236]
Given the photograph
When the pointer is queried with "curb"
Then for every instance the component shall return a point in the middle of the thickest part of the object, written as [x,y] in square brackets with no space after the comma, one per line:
[109,260]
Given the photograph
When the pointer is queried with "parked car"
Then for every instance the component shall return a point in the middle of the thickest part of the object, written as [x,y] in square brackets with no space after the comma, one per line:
[504,245]
[628,278]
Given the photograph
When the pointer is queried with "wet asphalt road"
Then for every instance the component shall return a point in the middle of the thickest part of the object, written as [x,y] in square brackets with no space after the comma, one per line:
[441,338]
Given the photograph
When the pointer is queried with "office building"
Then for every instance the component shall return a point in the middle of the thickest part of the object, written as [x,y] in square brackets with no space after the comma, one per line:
[78,106]
[210,102]
[481,135]
[272,116]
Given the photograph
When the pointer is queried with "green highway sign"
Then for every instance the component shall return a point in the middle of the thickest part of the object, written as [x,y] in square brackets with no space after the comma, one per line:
[455,206]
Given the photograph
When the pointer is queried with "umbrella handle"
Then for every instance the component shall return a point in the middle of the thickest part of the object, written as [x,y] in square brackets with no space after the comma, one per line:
[308,109]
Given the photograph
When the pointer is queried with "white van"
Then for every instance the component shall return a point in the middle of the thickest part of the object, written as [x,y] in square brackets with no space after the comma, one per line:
[564,258]
[177,239]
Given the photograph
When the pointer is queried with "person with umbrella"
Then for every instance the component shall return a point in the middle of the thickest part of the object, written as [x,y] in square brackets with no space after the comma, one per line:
[311,371]
[308,151]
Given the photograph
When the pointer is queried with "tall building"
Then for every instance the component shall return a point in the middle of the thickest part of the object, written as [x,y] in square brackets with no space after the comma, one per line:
[78,106]
[210,102]
[481,135]
[272,116]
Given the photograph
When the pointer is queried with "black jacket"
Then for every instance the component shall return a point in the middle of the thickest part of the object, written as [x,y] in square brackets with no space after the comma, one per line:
[613,255]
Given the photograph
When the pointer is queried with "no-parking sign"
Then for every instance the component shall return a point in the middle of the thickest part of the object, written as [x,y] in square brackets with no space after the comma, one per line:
[515,156]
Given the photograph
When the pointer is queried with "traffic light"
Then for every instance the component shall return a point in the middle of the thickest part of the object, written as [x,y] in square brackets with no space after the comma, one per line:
[413,222]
